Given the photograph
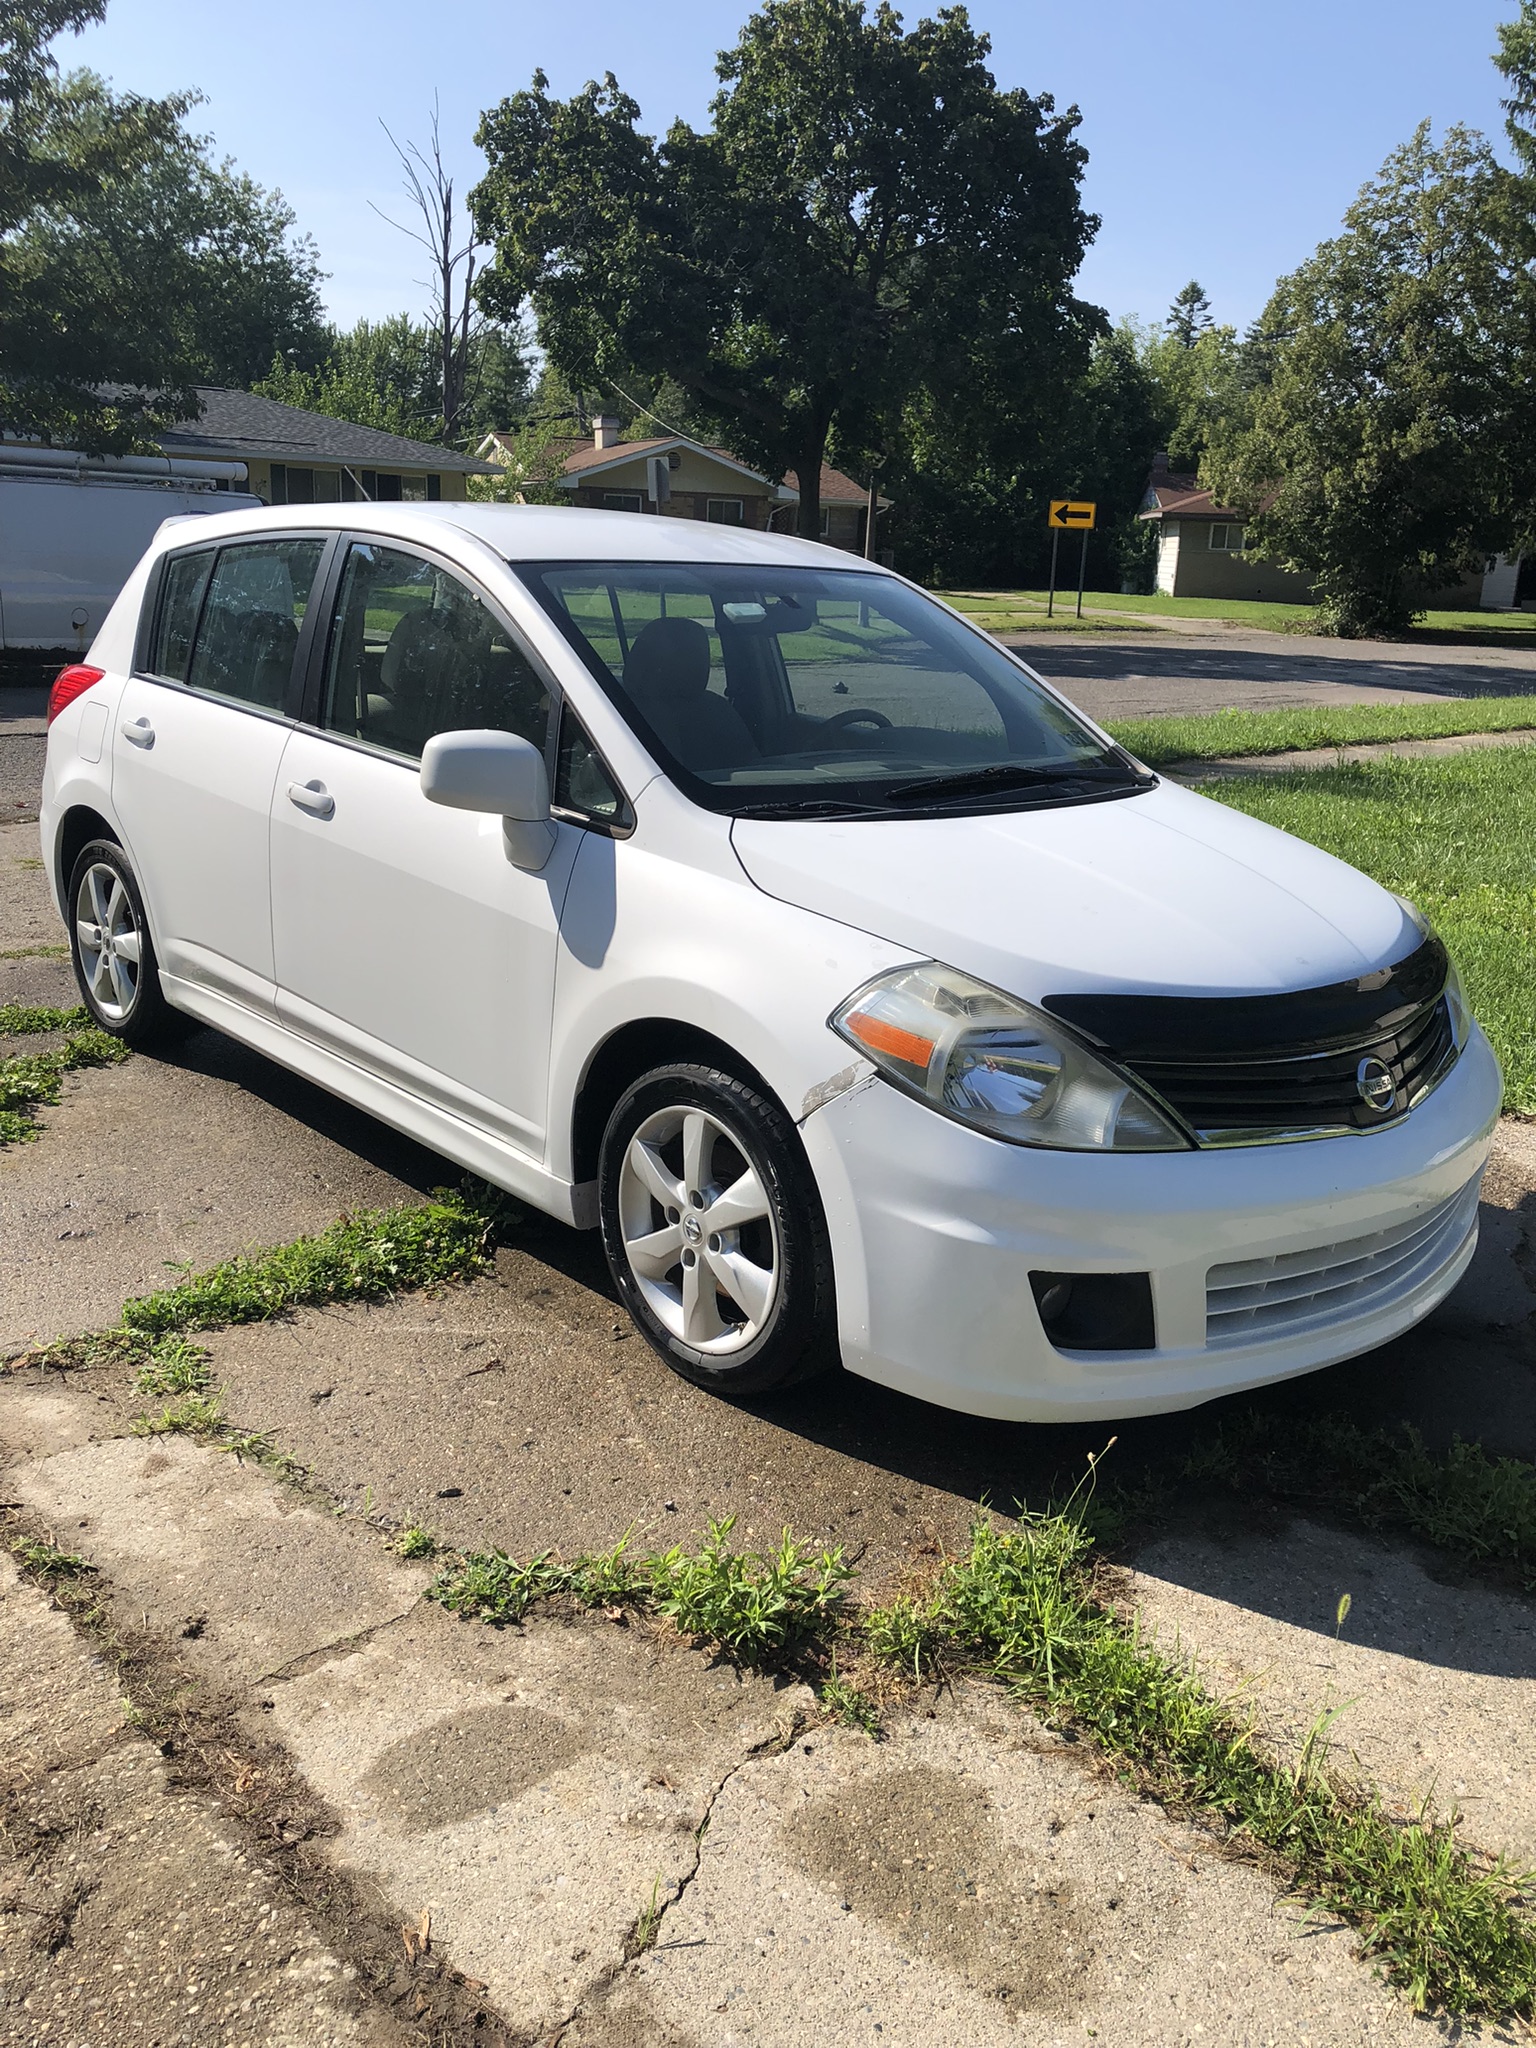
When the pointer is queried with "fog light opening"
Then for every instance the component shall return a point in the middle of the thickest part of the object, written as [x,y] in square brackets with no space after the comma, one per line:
[1096,1311]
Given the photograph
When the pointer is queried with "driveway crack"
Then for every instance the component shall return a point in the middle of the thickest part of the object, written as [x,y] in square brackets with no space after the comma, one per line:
[326,1653]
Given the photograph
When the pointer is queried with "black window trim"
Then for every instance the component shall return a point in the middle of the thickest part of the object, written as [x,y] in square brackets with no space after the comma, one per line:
[154,600]
[311,697]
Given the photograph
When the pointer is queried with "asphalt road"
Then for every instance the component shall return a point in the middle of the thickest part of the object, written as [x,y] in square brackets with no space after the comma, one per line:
[1140,674]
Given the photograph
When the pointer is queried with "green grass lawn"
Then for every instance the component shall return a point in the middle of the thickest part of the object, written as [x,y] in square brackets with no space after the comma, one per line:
[1458,836]
[1215,734]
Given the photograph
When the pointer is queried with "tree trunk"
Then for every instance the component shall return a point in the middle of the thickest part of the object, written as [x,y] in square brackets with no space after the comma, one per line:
[808,479]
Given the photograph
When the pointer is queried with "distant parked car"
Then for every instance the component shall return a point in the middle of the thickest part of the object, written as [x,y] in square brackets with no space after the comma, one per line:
[750,905]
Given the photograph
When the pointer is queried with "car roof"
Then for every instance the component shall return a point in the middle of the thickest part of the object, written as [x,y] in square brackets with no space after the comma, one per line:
[535,533]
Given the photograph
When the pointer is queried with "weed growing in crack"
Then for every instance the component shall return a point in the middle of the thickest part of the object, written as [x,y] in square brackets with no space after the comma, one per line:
[200,1415]
[848,1703]
[173,1366]
[364,1257]
[47,1563]
[752,1603]
[33,1080]
[906,1634]
[413,1542]
[645,1930]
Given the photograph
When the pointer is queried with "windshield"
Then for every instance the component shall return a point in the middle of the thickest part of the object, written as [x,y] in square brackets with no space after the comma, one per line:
[807,692]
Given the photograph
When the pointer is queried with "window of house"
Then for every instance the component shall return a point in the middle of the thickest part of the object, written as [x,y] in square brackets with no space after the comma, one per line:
[413,489]
[414,651]
[621,501]
[248,632]
[387,489]
[726,512]
[1226,540]
[327,486]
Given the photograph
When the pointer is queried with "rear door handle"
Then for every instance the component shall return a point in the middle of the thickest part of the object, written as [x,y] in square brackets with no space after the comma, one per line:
[139,731]
[313,797]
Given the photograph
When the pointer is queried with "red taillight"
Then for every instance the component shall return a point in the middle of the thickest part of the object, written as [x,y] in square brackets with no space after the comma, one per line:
[69,684]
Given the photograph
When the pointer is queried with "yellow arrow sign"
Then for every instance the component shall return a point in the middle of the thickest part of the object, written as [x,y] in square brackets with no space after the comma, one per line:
[1072,512]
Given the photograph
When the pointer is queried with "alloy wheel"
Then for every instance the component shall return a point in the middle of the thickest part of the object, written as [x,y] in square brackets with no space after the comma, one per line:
[698,1230]
[111,945]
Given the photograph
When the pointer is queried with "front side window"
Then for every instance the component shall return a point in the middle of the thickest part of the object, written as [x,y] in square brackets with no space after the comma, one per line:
[181,601]
[414,651]
[726,511]
[1226,540]
[248,631]
[782,692]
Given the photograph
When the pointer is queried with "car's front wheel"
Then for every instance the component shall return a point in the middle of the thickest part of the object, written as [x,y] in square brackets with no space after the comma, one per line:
[714,1231]
[113,953]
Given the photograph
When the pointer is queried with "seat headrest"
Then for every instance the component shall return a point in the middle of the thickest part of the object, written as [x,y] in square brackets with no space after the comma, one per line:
[669,659]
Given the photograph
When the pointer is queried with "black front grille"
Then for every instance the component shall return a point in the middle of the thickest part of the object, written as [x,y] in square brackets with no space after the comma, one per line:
[1284,1063]
[1304,1091]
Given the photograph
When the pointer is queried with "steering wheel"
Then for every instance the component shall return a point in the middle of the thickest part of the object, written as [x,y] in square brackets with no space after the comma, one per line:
[855,715]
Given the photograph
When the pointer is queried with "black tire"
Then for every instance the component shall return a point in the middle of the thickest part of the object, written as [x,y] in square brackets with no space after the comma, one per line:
[142,1018]
[796,1337]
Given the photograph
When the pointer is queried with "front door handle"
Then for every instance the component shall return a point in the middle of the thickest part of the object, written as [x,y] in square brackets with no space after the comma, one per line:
[139,732]
[313,797]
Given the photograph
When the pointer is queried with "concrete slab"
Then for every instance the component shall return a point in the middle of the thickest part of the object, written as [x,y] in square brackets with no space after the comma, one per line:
[216,1553]
[156,1165]
[532,1788]
[1433,1685]
[34,963]
[966,1881]
[130,1912]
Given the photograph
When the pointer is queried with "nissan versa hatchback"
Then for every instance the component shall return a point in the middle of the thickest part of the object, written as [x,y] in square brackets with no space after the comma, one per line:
[735,898]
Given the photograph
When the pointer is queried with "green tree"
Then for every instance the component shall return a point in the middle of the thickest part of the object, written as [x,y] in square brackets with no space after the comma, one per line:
[1199,385]
[1189,316]
[132,266]
[1516,59]
[865,211]
[1390,440]
[387,374]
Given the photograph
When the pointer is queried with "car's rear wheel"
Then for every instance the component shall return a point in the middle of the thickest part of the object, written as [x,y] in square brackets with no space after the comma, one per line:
[113,953]
[714,1231]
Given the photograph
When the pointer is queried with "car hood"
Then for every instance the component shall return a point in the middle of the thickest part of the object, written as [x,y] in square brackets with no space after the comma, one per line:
[1166,893]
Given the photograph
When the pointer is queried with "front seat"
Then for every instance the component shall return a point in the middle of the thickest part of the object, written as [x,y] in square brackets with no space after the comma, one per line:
[667,675]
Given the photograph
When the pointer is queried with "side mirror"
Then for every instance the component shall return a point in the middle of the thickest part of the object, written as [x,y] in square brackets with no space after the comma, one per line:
[498,773]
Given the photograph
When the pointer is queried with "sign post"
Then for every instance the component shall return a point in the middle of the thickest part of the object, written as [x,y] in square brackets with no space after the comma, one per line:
[1070,515]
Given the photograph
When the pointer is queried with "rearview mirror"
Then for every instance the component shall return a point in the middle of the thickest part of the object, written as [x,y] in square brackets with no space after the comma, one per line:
[499,773]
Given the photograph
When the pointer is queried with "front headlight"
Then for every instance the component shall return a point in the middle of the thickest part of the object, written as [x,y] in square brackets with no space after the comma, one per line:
[988,1060]
[1455,994]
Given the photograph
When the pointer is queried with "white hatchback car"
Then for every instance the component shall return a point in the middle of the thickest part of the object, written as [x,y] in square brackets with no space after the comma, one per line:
[735,897]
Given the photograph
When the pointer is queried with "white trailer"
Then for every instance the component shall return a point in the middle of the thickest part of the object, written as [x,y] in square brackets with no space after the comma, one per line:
[73,526]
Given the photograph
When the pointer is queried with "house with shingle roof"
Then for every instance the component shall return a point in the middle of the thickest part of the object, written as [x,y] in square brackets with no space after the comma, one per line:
[608,473]
[293,457]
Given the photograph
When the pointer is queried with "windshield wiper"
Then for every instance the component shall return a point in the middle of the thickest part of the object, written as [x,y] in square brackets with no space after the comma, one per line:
[1012,775]
[809,807]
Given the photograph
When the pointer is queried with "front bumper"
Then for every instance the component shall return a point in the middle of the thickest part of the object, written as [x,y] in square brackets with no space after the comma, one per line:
[936,1228]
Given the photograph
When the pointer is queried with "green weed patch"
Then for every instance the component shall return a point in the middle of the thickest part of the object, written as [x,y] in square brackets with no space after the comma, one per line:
[364,1257]
[1218,735]
[34,1080]
[755,1604]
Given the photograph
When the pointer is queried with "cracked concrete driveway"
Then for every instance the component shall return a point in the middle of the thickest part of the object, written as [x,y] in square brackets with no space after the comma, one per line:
[372,1823]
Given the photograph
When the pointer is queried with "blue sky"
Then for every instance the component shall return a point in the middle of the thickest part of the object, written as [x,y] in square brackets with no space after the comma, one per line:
[1225,140]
